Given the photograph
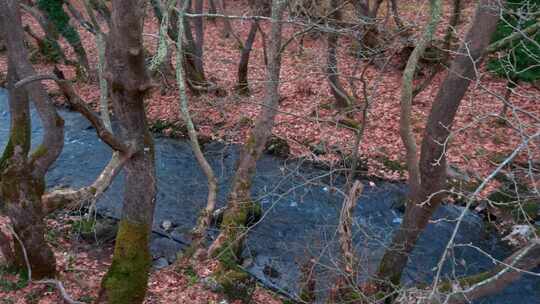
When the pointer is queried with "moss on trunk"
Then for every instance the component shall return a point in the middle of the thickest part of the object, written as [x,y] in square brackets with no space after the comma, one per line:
[236,284]
[126,280]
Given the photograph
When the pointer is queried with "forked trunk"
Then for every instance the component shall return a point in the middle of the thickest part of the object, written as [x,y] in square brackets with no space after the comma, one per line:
[23,174]
[241,210]
[342,99]
[242,86]
[426,195]
[21,192]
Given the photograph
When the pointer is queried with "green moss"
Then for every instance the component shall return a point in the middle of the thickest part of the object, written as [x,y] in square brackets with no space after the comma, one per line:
[465,281]
[351,123]
[12,285]
[236,284]
[84,226]
[19,136]
[245,121]
[40,151]
[126,281]
[56,14]
[277,146]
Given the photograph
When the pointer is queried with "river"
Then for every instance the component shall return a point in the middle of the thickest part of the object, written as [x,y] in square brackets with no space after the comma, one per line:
[300,207]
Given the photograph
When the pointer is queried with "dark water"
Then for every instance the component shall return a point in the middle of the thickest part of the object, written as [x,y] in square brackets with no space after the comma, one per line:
[301,212]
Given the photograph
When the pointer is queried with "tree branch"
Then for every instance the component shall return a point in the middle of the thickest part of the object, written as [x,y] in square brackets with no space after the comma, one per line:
[81,106]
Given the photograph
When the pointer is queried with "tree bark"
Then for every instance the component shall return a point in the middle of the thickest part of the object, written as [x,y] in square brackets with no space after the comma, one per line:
[499,277]
[22,175]
[126,279]
[346,282]
[342,99]
[20,191]
[241,210]
[195,77]
[424,197]
[242,86]
[198,24]
[205,218]
[227,27]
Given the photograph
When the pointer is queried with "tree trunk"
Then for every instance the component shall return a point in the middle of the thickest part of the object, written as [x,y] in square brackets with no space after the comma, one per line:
[344,288]
[204,221]
[431,171]
[395,14]
[20,191]
[198,23]
[212,9]
[195,78]
[102,9]
[242,86]
[342,99]
[227,27]
[126,280]
[241,210]
[22,176]
[48,45]
[496,279]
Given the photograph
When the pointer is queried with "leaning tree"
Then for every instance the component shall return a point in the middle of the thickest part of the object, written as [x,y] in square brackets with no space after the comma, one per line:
[241,210]
[427,174]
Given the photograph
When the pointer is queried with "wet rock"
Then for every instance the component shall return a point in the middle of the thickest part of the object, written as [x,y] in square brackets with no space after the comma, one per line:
[271,272]
[167,225]
[162,247]
[277,146]
[180,235]
[160,263]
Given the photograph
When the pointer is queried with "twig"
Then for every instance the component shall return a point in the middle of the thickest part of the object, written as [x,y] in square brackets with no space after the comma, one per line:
[67,298]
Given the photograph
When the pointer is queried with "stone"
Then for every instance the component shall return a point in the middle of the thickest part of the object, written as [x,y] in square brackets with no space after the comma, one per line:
[162,247]
[160,263]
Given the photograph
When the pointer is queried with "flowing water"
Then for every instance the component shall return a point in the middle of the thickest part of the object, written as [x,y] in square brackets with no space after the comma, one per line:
[301,209]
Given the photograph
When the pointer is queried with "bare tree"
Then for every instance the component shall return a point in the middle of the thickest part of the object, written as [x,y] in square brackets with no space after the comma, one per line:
[22,178]
[240,207]
[343,99]
[427,176]
[205,218]
[126,280]
[258,8]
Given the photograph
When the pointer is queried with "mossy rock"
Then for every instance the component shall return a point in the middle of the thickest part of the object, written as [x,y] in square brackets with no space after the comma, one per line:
[95,229]
[391,165]
[319,149]
[236,284]
[277,146]
[361,164]
[253,213]
[175,129]
[245,121]
[526,212]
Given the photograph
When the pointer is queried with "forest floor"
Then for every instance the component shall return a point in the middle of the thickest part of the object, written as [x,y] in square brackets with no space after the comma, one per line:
[305,121]
[82,263]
